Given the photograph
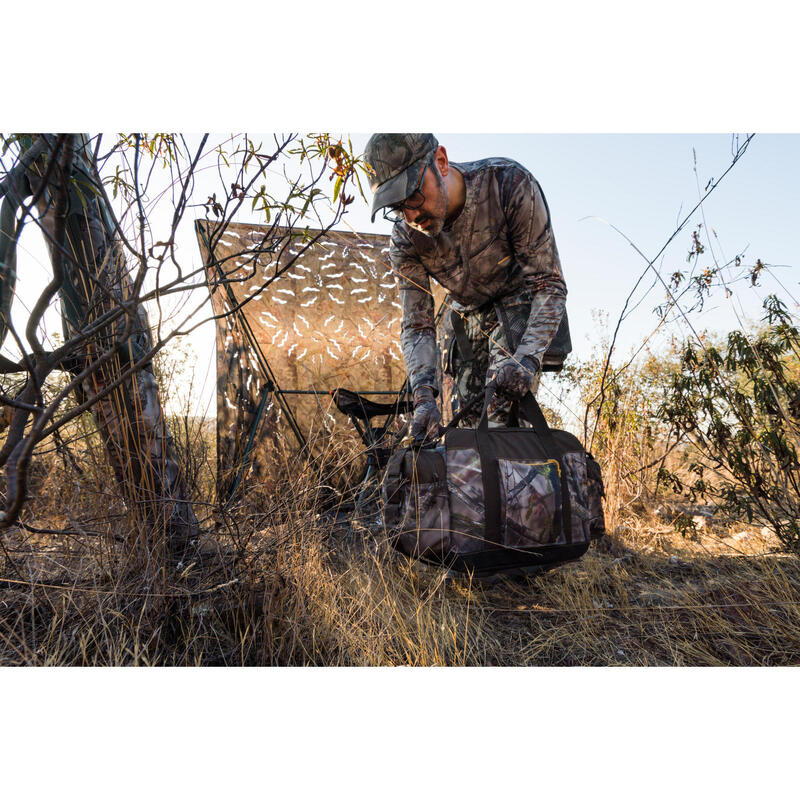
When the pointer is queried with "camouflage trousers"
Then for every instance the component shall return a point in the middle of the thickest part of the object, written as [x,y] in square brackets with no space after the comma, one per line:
[489,348]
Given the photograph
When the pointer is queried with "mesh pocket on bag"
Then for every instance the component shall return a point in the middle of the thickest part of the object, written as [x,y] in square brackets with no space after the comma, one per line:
[530,494]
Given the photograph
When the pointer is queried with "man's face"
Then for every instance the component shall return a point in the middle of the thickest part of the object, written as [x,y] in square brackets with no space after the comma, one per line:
[426,209]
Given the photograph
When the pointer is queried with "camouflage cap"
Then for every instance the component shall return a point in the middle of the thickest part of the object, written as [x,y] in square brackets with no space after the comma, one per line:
[397,160]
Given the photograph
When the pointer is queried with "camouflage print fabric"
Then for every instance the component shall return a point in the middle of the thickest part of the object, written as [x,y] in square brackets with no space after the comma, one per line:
[418,337]
[489,348]
[575,469]
[397,161]
[594,496]
[467,512]
[499,245]
[513,377]
[424,525]
[530,499]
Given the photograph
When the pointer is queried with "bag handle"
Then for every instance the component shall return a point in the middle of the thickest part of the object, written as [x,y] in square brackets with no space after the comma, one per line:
[529,405]
[490,474]
[532,411]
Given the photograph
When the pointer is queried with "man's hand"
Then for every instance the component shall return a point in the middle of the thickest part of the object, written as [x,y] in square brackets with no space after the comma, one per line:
[514,376]
[425,424]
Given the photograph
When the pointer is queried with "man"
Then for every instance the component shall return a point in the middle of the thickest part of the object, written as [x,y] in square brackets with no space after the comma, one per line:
[482,230]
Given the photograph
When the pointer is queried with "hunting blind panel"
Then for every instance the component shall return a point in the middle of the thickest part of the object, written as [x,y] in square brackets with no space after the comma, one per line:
[296,311]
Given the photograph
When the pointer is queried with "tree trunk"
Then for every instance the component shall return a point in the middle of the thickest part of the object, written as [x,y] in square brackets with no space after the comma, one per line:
[130,419]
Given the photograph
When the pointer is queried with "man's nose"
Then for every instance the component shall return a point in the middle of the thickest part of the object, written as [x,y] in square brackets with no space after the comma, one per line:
[411,214]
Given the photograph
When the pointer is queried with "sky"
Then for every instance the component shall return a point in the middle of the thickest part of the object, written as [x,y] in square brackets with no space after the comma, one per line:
[642,184]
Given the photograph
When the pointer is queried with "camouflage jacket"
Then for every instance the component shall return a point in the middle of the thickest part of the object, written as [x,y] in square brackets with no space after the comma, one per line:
[500,244]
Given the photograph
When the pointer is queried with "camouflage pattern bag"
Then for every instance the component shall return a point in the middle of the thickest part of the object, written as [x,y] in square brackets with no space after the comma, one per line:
[416,506]
[495,499]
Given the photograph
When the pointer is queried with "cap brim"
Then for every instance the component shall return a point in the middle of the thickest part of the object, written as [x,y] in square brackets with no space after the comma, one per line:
[399,188]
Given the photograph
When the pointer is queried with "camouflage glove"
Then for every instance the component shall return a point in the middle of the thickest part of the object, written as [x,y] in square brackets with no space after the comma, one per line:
[425,424]
[514,376]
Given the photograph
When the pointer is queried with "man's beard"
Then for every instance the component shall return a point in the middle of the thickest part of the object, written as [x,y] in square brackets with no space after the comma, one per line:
[432,230]
[437,220]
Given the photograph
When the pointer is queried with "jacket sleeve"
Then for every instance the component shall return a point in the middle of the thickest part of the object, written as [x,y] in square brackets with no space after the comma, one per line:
[536,254]
[418,327]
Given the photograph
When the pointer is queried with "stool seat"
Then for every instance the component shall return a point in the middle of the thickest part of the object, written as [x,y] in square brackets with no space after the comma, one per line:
[355,405]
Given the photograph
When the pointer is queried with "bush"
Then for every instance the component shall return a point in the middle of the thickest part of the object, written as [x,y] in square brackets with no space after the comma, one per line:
[738,404]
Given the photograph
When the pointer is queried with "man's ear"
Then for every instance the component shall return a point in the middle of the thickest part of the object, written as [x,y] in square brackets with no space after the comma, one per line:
[442,164]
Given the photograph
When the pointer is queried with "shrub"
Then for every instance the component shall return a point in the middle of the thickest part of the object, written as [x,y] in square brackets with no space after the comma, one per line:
[739,405]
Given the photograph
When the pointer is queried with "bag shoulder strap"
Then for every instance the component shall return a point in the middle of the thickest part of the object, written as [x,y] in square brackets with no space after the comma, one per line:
[462,340]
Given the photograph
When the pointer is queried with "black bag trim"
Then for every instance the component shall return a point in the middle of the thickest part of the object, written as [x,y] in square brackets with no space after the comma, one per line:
[497,559]
[490,474]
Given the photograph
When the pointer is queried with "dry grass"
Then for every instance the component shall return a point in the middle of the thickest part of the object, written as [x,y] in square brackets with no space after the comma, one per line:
[293,587]
[279,583]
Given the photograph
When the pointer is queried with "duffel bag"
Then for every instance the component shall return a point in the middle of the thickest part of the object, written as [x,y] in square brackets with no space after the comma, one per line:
[495,499]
